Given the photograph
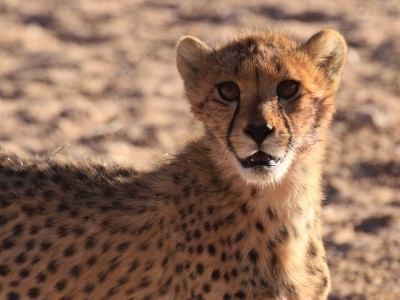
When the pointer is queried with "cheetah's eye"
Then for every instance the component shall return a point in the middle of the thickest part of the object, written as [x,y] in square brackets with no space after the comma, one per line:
[229,91]
[287,89]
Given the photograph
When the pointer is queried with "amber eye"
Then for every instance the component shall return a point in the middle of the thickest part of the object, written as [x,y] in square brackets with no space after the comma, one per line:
[287,89]
[229,91]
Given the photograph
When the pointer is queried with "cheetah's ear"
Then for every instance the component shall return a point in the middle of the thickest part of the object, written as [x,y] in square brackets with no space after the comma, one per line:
[328,49]
[191,58]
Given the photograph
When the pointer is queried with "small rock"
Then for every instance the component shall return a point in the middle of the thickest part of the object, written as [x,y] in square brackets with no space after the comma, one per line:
[374,224]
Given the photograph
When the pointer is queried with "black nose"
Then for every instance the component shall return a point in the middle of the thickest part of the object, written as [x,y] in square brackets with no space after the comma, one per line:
[258,132]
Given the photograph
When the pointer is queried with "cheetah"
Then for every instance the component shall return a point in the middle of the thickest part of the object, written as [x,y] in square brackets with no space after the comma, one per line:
[236,214]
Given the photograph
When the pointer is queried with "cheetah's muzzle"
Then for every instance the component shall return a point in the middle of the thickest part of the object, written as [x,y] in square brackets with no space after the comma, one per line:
[260,159]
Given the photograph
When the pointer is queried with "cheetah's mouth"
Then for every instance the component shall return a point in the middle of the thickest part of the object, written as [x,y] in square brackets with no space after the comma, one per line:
[260,159]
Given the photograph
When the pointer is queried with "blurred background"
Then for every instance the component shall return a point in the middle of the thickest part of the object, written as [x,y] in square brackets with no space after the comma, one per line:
[100,76]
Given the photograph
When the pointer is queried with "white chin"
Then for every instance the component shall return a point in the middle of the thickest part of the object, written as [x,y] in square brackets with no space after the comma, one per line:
[266,175]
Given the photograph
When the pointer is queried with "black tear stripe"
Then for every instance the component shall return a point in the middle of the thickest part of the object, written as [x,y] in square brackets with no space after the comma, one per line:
[231,128]
[287,125]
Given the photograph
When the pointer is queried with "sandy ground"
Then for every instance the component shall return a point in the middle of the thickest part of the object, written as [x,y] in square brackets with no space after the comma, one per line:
[100,76]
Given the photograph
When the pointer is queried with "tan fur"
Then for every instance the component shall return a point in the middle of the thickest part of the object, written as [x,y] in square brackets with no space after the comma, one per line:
[202,225]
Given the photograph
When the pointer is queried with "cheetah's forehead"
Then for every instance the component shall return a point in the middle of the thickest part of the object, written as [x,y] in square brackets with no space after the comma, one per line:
[263,50]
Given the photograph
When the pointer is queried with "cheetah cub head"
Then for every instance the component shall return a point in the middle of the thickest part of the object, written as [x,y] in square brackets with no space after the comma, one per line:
[263,97]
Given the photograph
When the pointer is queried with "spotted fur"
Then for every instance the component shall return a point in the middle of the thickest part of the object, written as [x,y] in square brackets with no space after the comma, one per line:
[214,221]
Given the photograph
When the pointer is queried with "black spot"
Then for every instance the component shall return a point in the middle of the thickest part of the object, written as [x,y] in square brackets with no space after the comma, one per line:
[133,265]
[112,291]
[35,229]
[62,231]
[227,296]
[271,214]
[31,210]
[191,208]
[274,265]
[312,249]
[13,296]
[199,249]
[144,282]
[253,255]
[24,273]
[18,229]
[211,249]
[149,264]
[75,271]
[238,255]
[216,225]
[30,193]
[130,292]
[7,244]
[41,277]
[88,288]
[207,226]
[271,244]
[79,230]
[45,246]
[260,226]
[49,222]
[144,246]
[35,259]
[165,261]
[30,244]
[206,288]
[187,265]
[223,256]
[178,269]
[145,228]
[106,246]
[201,105]
[239,236]
[52,266]
[4,270]
[20,259]
[291,290]
[240,294]
[3,201]
[122,281]
[188,236]
[244,209]
[253,192]
[91,242]
[102,276]
[48,194]
[62,206]
[33,293]
[197,234]
[69,251]
[183,226]
[200,268]
[231,218]
[227,278]
[123,246]
[234,272]
[310,269]
[274,259]
[283,234]
[278,67]
[91,260]
[325,281]
[215,275]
